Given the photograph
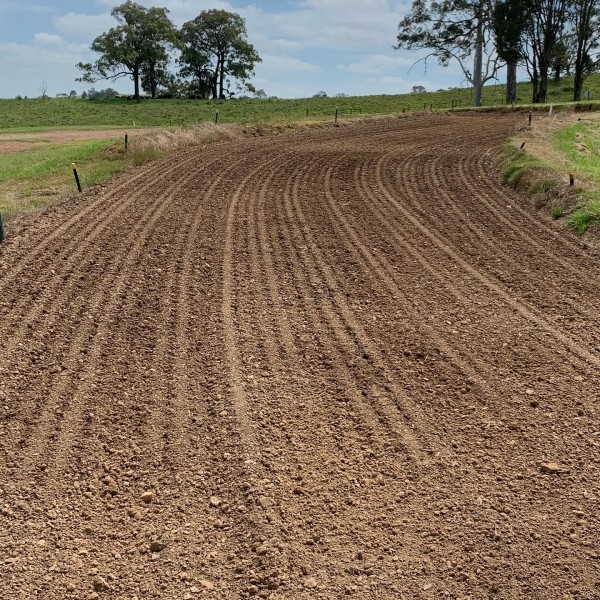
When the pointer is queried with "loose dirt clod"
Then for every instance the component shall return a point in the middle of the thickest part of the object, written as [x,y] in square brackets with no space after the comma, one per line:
[550,468]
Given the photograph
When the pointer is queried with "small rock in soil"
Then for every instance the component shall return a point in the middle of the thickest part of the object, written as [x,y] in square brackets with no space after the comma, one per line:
[310,583]
[100,584]
[208,585]
[215,502]
[550,468]
[147,497]
[157,546]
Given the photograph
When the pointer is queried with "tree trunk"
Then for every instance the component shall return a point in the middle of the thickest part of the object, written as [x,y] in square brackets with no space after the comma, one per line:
[511,83]
[222,78]
[542,90]
[578,85]
[136,83]
[478,66]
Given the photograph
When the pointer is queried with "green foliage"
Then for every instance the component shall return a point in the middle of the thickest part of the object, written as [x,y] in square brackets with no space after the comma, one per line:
[453,30]
[509,23]
[136,46]
[214,47]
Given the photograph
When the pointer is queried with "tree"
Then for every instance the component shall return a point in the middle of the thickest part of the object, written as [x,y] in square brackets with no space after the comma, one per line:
[73,94]
[457,30]
[214,46]
[585,17]
[139,41]
[509,23]
[320,94]
[155,74]
[260,94]
[43,89]
[544,30]
[418,89]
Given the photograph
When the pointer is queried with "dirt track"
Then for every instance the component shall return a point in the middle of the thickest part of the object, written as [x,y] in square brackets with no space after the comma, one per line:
[338,360]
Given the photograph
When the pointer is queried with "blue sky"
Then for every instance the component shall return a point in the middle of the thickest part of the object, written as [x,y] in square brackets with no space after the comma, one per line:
[338,46]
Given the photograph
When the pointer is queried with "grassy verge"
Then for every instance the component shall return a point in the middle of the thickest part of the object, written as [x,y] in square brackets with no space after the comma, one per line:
[541,171]
[35,177]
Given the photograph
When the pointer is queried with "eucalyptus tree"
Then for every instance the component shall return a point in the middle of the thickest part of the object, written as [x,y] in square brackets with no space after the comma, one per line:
[215,49]
[453,30]
[585,21]
[138,44]
[509,23]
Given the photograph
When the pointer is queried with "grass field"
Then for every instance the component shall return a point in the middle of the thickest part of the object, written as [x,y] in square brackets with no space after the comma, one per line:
[32,115]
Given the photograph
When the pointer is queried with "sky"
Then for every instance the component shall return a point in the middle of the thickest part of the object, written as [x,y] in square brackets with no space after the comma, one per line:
[307,46]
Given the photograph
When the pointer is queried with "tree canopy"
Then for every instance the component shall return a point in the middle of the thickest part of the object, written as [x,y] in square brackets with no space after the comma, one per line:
[538,35]
[136,47]
[215,51]
[458,30]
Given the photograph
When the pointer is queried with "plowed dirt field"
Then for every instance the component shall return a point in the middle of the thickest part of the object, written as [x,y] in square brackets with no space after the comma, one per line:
[328,364]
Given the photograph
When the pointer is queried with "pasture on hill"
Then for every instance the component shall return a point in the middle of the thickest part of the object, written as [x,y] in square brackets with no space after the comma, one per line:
[19,115]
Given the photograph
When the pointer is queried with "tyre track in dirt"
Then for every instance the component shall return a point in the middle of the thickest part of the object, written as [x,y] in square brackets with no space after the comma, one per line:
[95,329]
[261,337]
[486,370]
[442,243]
[73,255]
[160,345]
[298,506]
[482,224]
[277,369]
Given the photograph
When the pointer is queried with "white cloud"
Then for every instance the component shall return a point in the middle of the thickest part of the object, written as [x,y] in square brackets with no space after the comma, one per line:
[379,63]
[47,39]
[46,58]
[286,63]
[86,26]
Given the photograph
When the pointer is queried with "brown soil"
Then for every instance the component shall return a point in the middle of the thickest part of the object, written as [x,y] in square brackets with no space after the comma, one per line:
[335,363]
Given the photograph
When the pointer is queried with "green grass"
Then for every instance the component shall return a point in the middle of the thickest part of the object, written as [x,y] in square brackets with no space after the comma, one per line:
[515,164]
[47,160]
[584,216]
[34,115]
[28,179]
[580,144]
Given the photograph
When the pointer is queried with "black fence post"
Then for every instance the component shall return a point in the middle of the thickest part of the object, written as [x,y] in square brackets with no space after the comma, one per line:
[74,167]
[1,229]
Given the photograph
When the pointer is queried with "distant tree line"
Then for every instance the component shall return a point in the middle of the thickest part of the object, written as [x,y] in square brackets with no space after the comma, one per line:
[211,53]
[547,38]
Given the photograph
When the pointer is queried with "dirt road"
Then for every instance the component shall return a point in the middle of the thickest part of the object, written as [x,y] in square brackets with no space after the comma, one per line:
[330,364]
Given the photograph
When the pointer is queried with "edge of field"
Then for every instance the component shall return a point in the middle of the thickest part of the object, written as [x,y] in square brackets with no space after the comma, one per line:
[39,177]
[555,165]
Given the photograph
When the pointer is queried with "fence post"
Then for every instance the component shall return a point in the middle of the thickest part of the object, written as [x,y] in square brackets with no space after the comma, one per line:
[336,115]
[217,118]
[74,167]
[1,229]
